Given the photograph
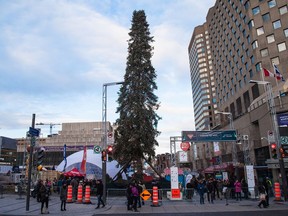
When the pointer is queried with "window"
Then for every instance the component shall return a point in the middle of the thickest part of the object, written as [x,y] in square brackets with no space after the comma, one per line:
[255,44]
[283,10]
[275,60]
[272,3]
[256,10]
[247,5]
[277,24]
[270,38]
[266,17]
[252,59]
[286,32]
[251,24]
[281,47]
[260,30]
[264,52]
[251,73]
[258,67]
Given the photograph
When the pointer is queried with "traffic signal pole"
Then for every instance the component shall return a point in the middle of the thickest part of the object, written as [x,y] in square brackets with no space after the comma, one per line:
[30,165]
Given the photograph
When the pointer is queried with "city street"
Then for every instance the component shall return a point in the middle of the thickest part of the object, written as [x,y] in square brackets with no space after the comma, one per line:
[12,205]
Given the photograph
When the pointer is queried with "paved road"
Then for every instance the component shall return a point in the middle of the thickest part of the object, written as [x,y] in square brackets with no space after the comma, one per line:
[12,205]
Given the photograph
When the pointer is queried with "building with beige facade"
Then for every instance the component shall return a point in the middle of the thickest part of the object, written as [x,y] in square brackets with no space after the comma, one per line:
[74,135]
[244,37]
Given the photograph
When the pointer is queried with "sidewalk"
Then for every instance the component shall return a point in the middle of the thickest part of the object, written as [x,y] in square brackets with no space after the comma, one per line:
[12,205]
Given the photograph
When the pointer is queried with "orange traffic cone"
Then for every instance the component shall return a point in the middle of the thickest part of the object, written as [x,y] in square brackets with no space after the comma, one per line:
[87,195]
[155,202]
[277,191]
[79,194]
[69,194]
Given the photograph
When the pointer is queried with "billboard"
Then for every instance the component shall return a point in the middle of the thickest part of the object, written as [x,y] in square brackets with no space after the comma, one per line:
[209,136]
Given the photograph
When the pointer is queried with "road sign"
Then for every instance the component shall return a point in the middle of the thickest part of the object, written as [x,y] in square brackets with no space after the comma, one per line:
[145,195]
[209,136]
[271,137]
[34,132]
[97,149]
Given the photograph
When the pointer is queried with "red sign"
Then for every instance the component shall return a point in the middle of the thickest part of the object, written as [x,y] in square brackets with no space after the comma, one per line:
[185,146]
[175,193]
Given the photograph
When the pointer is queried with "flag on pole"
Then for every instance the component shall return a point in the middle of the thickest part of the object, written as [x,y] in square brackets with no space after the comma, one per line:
[64,156]
[278,74]
[268,73]
[83,163]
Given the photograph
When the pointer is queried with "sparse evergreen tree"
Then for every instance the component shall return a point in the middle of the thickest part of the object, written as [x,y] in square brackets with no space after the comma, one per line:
[135,136]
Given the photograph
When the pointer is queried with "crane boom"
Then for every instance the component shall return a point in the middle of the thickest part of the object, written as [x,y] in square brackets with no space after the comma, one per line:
[50,124]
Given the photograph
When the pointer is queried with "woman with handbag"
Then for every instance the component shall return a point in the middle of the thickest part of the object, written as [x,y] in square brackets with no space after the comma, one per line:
[262,196]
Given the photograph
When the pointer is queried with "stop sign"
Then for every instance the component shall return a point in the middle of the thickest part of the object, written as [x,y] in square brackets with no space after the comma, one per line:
[185,146]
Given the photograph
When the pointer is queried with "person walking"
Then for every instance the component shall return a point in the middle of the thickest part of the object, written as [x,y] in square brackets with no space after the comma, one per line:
[63,197]
[74,183]
[129,197]
[135,194]
[44,194]
[99,193]
[262,196]
[210,191]
[238,190]
[201,188]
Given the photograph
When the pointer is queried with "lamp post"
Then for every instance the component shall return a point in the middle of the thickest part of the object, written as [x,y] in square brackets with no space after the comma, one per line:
[271,107]
[104,132]
[234,149]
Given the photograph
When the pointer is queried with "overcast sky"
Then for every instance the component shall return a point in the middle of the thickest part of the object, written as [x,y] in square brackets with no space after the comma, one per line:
[55,56]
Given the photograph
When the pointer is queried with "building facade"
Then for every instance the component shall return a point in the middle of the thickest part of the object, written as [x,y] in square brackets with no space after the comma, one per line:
[74,135]
[245,37]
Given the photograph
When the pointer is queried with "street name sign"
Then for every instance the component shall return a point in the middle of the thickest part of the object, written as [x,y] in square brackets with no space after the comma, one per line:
[209,136]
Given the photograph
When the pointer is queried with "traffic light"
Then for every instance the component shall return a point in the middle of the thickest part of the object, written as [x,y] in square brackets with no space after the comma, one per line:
[104,155]
[110,153]
[40,156]
[273,150]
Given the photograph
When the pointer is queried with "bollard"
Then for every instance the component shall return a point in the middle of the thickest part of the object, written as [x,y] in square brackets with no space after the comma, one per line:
[79,194]
[87,195]
[69,194]
[277,191]
[155,202]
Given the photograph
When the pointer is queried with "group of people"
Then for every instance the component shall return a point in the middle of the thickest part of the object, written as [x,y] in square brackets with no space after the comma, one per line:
[43,190]
[229,188]
[133,192]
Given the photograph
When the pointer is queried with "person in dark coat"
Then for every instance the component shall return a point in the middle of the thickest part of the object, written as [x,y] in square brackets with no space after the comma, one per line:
[201,188]
[129,197]
[99,193]
[44,194]
[63,197]
[262,196]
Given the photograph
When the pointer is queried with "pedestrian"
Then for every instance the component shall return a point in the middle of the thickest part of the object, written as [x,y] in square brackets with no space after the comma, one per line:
[245,190]
[135,194]
[44,194]
[63,197]
[210,191]
[238,190]
[189,190]
[140,190]
[74,183]
[268,188]
[201,189]
[129,197]
[143,187]
[99,194]
[262,196]
[225,190]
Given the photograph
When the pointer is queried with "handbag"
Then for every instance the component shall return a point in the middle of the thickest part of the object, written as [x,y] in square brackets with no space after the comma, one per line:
[262,196]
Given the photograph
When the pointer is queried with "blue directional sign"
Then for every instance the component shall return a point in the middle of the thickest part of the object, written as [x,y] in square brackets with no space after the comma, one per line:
[34,132]
[209,136]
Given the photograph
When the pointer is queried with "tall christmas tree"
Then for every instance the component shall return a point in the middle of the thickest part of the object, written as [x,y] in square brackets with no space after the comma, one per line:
[135,136]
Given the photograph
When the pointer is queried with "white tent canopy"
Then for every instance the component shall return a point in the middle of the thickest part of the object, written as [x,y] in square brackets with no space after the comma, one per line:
[92,158]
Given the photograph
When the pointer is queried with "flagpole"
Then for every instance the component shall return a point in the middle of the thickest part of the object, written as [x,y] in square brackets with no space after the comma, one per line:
[278,90]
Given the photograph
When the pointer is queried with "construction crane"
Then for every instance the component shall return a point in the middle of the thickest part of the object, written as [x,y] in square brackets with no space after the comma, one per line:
[50,124]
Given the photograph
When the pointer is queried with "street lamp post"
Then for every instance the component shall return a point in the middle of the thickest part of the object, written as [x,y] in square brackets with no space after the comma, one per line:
[271,107]
[234,148]
[104,132]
